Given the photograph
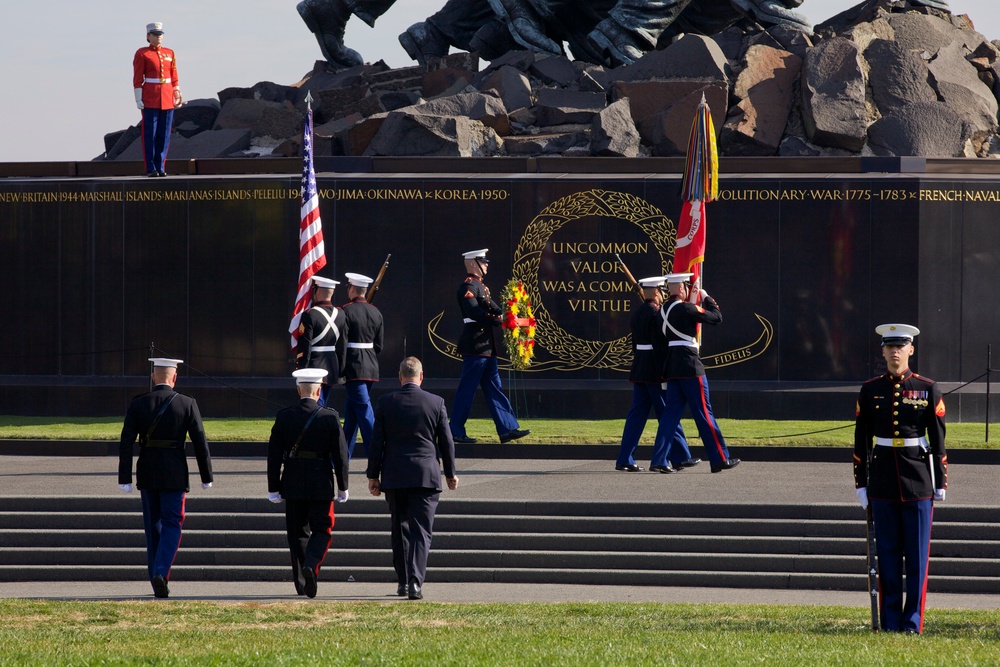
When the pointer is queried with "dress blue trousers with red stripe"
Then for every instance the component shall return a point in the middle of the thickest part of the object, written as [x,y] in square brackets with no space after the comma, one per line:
[646,395]
[156,124]
[902,541]
[162,516]
[309,528]
[482,371]
[358,414]
[693,392]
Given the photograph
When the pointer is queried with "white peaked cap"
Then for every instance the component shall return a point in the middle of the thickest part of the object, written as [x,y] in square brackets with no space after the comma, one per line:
[163,362]
[358,280]
[309,375]
[653,281]
[896,334]
[676,278]
[327,283]
[154,27]
[476,254]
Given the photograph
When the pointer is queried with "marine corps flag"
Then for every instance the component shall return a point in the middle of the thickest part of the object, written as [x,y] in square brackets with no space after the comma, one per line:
[312,253]
[700,186]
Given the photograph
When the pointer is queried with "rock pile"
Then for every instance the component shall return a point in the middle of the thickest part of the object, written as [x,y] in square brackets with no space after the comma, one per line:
[882,78]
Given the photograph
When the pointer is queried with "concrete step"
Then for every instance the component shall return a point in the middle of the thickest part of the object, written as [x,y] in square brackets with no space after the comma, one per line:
[627,543]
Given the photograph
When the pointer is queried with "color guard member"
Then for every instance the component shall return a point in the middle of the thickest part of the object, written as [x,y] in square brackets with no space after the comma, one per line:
[322,336]
[648,353]
[157,92]
[901,475]
[478,347]
[364,342]
[162,419]
[306,449]
[683,370]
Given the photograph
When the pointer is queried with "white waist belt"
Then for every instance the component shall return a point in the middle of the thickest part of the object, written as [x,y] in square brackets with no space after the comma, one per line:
[682,343]
[903,442]
[644,346]
[469,320]
[150,79]
[324,348]
[361,346]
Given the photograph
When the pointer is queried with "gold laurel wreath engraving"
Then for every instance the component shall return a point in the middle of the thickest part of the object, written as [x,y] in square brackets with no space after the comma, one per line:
[572,351]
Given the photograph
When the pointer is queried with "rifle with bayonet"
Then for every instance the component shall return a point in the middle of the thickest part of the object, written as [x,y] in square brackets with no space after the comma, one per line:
[370,296]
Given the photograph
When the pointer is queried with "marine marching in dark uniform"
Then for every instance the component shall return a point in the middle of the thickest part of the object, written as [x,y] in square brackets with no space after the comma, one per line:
[322,337]
[900,467]
[648,353]
[478,346]
[364,342]
[161,420]
[684,372]
[305,451]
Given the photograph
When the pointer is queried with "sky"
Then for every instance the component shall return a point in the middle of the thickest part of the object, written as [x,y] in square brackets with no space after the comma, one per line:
[66,65]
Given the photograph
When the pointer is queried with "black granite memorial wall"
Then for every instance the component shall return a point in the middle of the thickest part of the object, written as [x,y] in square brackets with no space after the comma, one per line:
[804,266]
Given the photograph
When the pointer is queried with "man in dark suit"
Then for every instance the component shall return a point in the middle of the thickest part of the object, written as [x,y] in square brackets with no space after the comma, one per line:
[323,336]
[162,419]
[306,449]
[364,342]
[411,433]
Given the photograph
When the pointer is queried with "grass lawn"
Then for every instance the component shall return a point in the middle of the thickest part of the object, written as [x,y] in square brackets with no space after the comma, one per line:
[738,432]
[372,633]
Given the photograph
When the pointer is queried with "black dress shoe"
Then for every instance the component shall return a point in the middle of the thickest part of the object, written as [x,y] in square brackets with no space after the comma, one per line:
[310,578]
[299,589]
[161,173]
[465,441]
[726,465]
[152,174]
[630,468]
[690,463]
[415,592]
[513,435]
[667,469]
[401,590]
[160,588]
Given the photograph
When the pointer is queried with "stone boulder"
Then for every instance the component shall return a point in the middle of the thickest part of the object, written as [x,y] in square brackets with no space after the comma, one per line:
[483,107]
[690,57]
[196,116]
[930,129]
[264,90]
[546,144]
[510,85]
[555,71]
[763,90]
[437,136]
[263,119]
[613,132]
[833,96]
[555,106]
[959,87]
[896,77]
[663,110]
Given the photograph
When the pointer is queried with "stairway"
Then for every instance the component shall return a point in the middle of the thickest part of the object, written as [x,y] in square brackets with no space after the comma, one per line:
[816,546]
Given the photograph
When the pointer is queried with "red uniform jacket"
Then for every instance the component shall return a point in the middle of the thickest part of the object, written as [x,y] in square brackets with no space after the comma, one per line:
[159,64]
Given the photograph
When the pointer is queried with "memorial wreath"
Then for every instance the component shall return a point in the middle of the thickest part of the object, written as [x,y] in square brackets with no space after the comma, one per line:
[518,325]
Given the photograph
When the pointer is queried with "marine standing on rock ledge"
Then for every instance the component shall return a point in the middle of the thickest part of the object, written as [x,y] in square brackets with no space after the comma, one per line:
[157,92]
[901,475]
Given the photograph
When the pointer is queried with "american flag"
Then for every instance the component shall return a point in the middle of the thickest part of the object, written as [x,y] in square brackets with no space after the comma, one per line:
[312,255]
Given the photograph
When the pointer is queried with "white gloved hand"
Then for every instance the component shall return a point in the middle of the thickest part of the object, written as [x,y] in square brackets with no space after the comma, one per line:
[274,497]
[939,494]
[342,496]
[127,488]
[178,98]
[862,497]
[138,99]
[206,485]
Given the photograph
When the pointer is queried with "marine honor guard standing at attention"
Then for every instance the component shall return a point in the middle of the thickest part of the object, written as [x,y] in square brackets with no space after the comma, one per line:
[364,342]
[323,336]
[683,370]
[305,451]
[478,347]
[162,419]
[648,353]
[901,468]
[157,92]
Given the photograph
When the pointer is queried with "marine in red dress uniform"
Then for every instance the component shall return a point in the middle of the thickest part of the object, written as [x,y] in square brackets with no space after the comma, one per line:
[157,92]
